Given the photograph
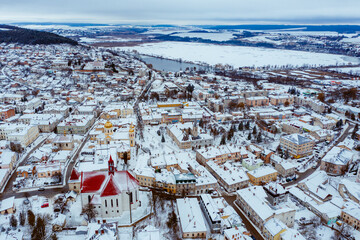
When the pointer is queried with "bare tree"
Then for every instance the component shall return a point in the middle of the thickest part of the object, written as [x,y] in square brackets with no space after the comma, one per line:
[89,212]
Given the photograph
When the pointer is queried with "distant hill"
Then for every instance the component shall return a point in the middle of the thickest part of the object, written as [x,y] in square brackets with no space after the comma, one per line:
[321,28]
[12,34]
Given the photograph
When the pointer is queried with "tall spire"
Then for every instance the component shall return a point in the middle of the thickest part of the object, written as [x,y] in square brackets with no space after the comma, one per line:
[111,166]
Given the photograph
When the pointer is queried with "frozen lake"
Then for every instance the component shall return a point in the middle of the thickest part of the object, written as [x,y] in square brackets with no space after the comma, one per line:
[238,56]
[169,65]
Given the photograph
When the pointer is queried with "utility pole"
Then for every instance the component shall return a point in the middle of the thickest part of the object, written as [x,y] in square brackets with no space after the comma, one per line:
[129,193]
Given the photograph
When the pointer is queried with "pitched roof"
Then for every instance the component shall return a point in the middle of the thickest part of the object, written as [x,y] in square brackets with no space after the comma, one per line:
[101,182]
[74,175]
[110,189]
[297,139]
[92,181]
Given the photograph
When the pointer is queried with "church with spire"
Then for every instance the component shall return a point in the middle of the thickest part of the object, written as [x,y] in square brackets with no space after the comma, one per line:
[111,192]
[106,133]
[115,138]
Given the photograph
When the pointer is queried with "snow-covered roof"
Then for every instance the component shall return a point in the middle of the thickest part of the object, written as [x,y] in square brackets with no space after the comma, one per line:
[274,226]
[7,203]
[211,207]
[298,139]
[230,175]
[262,171]
[338,156]
[255,198]
[105,184]
[149,233]
[191,218]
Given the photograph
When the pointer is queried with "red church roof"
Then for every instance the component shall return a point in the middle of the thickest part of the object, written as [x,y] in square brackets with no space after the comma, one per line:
[74,175]
[111,189]
[107,184]
[92,181]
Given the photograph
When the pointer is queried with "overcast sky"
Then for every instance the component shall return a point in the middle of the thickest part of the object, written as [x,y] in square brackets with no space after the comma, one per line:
[182,11]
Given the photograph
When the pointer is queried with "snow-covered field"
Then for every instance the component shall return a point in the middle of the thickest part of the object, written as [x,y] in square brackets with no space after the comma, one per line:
[107,39]
[350,70]
[216,36]
[262,39]
[238,56]
[351,40]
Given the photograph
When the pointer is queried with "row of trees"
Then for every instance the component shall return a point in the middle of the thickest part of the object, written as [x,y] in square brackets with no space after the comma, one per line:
[229,135]
[37,224]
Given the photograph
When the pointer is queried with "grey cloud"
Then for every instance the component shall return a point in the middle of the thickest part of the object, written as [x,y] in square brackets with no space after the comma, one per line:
[181,12]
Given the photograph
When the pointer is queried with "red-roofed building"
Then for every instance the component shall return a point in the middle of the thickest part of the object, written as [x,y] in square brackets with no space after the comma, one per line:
[111,192]
[74,181]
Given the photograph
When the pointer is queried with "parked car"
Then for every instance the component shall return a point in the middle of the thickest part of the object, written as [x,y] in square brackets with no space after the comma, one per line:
[45,205]
[41,189]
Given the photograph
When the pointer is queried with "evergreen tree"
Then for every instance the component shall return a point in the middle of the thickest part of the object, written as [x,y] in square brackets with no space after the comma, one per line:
[352,117]
[254,131]
[223,141]
[249,136]
[39,232]
[258,139]
[13,221]
[31,218]
[22,218]
[241,126]
[201,123]
[247,125]
[230,134]
[125,157]
[353,135]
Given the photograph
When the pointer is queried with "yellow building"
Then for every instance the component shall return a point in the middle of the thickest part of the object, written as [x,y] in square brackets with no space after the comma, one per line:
[108,128]
[273,229]
[167,105]
[257,101]
[48,171]
[351,217]
[297,145]
[146,181]
[262,175]
[105,134]
[117,111]
[132,135]
[281,99]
